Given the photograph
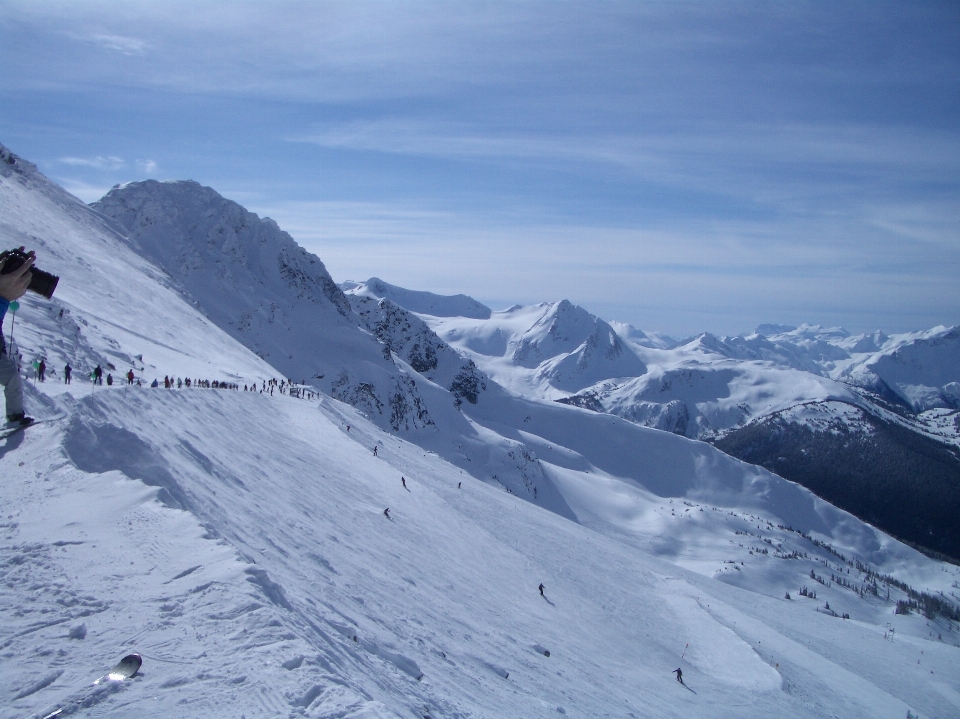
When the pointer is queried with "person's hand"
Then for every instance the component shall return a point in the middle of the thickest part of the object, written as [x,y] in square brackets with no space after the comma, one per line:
[14,284]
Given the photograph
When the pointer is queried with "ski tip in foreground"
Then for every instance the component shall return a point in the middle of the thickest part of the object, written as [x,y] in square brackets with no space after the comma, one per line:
[127,667]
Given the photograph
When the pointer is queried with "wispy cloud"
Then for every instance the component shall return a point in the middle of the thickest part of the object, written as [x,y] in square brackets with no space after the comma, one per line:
[746,144]
[99,162]
[786,170]
[110,163]
[120,43]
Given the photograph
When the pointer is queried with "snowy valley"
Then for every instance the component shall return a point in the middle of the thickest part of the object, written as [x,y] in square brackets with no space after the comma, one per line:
[238,539]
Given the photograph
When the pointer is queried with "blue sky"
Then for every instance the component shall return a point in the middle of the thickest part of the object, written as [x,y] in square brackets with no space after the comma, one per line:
[679,166]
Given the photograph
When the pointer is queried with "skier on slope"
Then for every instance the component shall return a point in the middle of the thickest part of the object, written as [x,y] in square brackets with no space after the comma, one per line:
[67,373]
[541,589]
[679,672]
[130,377]
[404,481]
[13,285]
[386,513]
[98,375]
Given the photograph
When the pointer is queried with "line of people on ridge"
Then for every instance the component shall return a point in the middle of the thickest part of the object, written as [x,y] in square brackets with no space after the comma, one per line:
[169,382]
[97,377]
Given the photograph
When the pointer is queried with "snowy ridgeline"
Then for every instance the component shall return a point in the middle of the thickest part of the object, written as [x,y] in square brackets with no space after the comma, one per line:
[708,385]
[238,540]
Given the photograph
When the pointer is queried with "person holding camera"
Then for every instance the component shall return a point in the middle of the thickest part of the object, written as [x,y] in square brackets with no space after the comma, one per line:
[13,285]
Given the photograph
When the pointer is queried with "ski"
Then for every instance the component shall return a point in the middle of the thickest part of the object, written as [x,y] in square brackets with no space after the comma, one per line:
[7,430]
[110,682]
[126,668]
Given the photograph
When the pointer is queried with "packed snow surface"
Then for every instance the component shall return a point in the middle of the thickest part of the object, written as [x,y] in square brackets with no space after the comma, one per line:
[269,582]
[239,540]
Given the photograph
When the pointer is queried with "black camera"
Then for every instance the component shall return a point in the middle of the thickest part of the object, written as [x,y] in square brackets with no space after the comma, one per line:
[43,283]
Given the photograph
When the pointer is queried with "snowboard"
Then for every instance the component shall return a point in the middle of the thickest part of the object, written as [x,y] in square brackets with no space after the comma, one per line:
[110,682]
[7,430]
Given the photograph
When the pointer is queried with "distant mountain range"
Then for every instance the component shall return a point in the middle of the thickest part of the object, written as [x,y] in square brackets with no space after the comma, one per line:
[778,398]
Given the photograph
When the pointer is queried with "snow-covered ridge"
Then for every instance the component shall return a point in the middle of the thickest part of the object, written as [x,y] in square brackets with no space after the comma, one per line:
[426,303]
[257,284]
[114,307]
[921,369]
[555,351]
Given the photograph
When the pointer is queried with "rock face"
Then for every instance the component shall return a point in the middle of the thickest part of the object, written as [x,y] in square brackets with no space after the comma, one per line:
[408,337]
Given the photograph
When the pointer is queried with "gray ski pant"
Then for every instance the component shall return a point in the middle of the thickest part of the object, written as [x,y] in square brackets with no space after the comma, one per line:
[12,384]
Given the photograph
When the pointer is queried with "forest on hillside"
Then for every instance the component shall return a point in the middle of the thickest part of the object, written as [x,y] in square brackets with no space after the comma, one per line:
[897,480]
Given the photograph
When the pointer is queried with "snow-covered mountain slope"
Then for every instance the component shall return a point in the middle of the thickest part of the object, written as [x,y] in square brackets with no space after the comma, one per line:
[267,581]
[224,258]
[426,303]
[547,350]
[510,441]
[657,340]
[281,589]
[904,481]
[922,369]
[256,283]
[711,387]
[706,399]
